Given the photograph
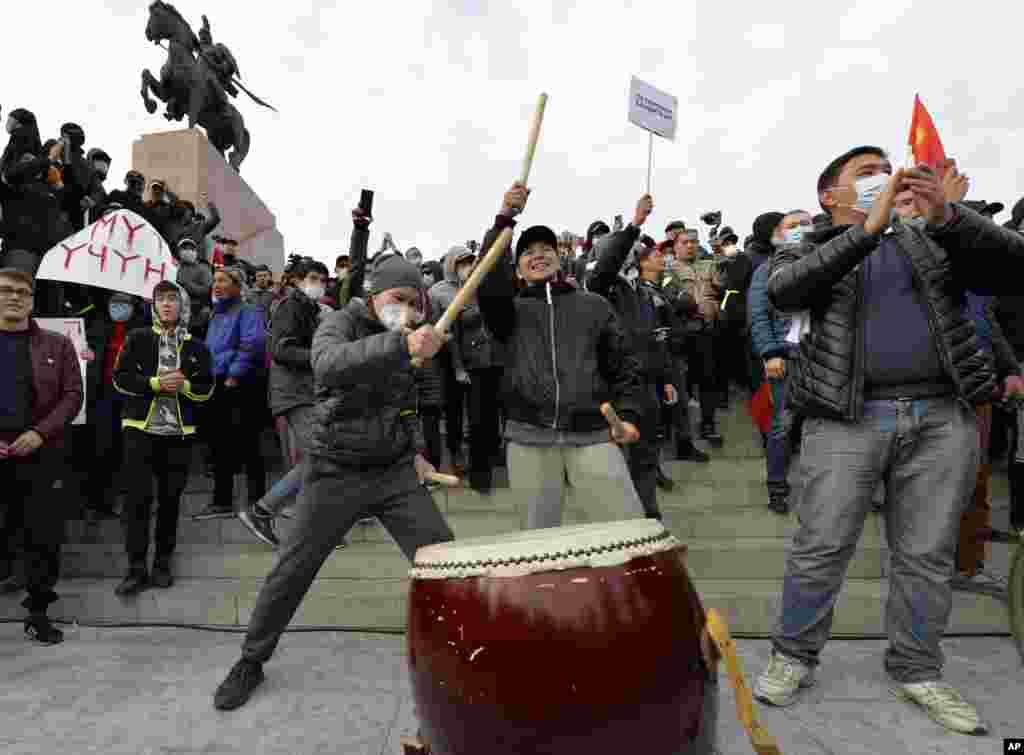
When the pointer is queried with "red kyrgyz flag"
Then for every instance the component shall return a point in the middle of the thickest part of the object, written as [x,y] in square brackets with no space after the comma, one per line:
[925,143]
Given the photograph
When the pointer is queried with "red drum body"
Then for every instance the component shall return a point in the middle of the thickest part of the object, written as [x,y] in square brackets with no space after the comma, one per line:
[561,641]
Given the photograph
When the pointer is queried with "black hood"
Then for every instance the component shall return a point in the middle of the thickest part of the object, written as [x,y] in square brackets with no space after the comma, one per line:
[25,138]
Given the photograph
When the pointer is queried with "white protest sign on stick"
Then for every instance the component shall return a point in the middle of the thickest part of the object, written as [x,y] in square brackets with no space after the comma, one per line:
[120,252]
[656,112]
[73,328]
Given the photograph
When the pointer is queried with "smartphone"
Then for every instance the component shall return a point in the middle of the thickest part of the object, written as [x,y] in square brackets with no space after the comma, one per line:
[366,202]
[618,223]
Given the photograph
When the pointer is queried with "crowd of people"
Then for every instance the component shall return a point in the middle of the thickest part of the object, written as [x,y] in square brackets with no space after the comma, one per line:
[891,350]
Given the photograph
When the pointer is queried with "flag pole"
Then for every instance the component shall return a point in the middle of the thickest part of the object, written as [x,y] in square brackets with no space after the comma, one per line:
[650,158]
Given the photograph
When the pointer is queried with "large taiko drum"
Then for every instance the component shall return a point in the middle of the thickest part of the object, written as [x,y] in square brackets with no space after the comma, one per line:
[585,639]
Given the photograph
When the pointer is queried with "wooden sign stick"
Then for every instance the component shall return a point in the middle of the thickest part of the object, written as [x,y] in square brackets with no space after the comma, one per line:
[448,480]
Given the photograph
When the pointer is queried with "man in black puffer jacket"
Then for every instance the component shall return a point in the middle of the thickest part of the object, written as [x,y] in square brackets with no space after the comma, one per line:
[887,375]
[365,457]
[566,355]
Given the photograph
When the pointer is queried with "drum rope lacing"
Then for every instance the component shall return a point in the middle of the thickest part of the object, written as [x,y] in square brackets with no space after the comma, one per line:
[571,553]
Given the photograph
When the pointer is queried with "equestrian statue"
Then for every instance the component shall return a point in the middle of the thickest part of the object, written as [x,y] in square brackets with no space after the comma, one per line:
[199,80]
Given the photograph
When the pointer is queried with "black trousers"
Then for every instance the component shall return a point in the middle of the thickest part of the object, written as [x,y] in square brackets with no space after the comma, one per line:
[30,505]
[333,498]
[732,357]
[455,394]
[642,457]
[700,360]
[484,425]
[430,417]
[235,422]
[167,459]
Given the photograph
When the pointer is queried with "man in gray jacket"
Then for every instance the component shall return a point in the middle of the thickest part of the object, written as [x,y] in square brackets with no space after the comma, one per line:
[365,457]
[456,393]
[196,277]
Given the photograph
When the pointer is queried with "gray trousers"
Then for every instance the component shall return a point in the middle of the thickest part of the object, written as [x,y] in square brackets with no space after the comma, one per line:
[599,479]
[926,452]
[333,498]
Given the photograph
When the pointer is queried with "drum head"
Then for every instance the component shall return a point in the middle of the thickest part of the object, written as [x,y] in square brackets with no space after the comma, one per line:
[535,551]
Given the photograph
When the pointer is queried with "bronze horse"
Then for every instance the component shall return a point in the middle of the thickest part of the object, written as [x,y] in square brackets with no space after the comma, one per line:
[188,88]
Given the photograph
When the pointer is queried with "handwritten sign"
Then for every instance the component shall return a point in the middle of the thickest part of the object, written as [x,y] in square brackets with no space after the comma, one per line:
[119,252]
[652,110]
[73,328]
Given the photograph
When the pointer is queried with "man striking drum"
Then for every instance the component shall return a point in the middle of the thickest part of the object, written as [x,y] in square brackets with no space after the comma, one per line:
[365,458]
[566,356]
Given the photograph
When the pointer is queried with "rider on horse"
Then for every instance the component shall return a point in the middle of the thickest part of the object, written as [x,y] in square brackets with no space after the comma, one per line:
[216,64]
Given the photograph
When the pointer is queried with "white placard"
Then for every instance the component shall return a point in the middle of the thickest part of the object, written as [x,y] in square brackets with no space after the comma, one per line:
[73,328]
[652,109]
[119,252]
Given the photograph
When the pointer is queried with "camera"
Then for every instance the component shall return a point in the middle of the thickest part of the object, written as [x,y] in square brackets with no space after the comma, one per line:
[712,218]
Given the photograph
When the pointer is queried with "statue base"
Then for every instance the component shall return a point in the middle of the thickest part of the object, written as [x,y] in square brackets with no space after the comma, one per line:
[191,167]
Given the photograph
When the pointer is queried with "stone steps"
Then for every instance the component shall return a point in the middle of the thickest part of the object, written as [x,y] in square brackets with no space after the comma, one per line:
[736,553]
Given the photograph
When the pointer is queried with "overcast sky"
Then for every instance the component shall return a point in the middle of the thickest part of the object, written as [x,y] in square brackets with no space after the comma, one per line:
[428,103]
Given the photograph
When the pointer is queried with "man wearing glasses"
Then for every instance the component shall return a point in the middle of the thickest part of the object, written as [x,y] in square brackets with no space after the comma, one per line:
[39,398]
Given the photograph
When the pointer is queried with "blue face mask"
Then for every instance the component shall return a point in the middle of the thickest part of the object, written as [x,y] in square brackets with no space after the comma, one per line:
[121,311]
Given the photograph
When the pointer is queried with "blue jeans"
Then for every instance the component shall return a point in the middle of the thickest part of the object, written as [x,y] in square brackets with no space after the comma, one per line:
[927,453]
[778,440]
[282,491]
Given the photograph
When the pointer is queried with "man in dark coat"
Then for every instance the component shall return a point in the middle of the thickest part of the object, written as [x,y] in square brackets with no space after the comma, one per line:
[365,455]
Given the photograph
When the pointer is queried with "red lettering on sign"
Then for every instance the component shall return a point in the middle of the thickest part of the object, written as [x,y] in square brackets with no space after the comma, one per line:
[110,221]
[149,268]
[102,255]
[70,252]
[131,232]
[125,260]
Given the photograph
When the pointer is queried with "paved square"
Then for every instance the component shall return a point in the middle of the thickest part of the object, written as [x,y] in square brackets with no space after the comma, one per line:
[148,692]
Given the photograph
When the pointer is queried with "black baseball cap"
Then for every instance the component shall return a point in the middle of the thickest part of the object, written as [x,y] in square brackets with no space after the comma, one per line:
[727,233]
[675,225]
[534,234]
[990,209]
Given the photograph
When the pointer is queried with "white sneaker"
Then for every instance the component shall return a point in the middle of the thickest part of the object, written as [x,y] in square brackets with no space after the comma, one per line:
[944,706]
[983,583]
[780,683]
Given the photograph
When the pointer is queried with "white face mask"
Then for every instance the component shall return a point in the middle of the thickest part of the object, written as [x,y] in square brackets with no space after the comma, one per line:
[730,250]
[869,189]
[793,235]
[314,292]
[11,124]
[396,316]
[188,256]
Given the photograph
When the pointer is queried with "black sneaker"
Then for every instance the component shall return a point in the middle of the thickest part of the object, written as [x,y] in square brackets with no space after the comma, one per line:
[710,433]
[39,629]
[686,451]
[136,581]
[161,576]
[215,512]
[665,482]
[779,503]
[244,677]
[260,524]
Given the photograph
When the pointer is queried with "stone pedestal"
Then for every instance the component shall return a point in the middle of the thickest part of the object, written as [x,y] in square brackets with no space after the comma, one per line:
[190,167]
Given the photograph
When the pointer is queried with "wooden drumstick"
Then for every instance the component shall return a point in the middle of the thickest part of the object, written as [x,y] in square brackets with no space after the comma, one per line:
[614,421]
[501,244]
[449,480]
[762,742]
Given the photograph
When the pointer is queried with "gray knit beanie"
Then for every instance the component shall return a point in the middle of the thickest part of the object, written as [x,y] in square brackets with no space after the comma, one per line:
[395,271]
